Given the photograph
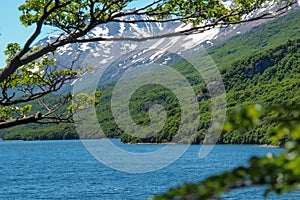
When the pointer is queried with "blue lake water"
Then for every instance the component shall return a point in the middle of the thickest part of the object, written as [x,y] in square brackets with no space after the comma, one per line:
[66,170]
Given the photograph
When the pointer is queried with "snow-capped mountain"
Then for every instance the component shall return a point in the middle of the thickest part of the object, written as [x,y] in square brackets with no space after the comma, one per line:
[127,54]
[101,54]
[107,50]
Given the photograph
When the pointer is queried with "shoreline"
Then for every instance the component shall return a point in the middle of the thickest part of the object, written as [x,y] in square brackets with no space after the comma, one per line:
[269,145]
[138,143]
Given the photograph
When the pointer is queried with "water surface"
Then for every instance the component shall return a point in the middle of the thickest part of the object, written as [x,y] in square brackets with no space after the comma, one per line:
[66,170]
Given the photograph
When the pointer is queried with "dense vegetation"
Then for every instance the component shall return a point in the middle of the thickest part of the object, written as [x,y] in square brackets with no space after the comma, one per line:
[259,67]
[269,78]
[266,36]
[262,69]
[276,173]
[61,132]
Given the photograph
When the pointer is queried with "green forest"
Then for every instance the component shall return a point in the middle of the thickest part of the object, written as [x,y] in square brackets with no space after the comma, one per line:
[260,67]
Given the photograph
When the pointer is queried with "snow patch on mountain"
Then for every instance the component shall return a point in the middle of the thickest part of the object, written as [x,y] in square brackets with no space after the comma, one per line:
[227,4]
[85,47]
[102,53]
[122,28]
[99,31]
[193,40]
[62,50]
[140,32]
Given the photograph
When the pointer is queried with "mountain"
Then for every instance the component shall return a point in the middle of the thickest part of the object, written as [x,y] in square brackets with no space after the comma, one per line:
[267,74]
[268,78]
[101,54]
[260,66]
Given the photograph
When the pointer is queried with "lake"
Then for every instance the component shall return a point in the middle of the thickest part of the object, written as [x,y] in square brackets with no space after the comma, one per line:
[66,170]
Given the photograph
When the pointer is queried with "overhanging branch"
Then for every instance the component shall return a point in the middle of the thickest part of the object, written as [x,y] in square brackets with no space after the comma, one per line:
[18,121]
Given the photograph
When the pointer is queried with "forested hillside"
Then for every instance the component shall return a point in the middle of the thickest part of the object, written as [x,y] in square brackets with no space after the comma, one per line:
[268,78]
[259,67]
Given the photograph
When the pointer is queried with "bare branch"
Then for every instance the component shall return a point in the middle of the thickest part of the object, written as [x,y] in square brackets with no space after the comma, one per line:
[55,86]
[56,120]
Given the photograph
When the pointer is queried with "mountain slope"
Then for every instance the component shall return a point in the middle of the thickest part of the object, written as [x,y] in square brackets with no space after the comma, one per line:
[100,54]
[245,83]
[249,81]
[269,78]
[265,36]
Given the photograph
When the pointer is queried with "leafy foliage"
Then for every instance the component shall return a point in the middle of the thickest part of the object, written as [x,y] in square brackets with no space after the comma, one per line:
[278,173]
[82,101]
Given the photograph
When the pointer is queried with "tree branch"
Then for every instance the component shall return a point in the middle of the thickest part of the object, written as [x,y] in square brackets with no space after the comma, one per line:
[18,121]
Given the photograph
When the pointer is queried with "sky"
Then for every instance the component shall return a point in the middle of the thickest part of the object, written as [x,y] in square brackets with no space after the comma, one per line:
[11,30]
